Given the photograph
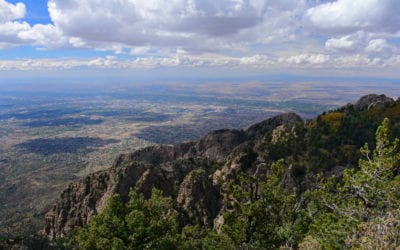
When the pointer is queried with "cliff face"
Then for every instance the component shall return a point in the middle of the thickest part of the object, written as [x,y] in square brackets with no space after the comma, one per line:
[198,198]
[79,201]
[184,172]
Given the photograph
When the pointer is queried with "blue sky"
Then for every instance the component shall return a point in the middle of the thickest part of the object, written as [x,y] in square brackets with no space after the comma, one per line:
[348,38]
[36,11]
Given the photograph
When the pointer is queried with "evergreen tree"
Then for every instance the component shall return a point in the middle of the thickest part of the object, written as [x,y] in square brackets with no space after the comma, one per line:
[137,224]
[347,212]
[265,214]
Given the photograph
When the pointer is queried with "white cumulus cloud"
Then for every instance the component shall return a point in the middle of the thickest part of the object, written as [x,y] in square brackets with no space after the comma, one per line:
[9,12]
[153,22]
[45,35]
[356,26]
[344,16]
[234,34]
[314,59]
[349,43]
[9,28]
[380,46]
[340,43]
[200,26]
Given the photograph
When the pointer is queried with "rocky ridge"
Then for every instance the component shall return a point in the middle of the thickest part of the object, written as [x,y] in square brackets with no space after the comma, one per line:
[194,174]
[372,100]
[188,172]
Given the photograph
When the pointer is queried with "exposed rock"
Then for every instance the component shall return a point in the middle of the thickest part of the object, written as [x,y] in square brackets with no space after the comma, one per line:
[219,222]
[215,146]
[283,133]
[198,198]
[162,167]
[258,130]
[219,144]
[197,174]
[240,159]
[80,201]
[179,171]
[372,100]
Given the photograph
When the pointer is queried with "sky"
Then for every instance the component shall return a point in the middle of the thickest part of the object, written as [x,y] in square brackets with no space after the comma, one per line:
[349,38]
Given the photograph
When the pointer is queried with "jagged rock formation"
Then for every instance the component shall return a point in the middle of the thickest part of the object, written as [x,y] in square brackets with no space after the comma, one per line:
[195,174]
[198,198]
[258,130]
[184,172]
[82,200]
[372,100]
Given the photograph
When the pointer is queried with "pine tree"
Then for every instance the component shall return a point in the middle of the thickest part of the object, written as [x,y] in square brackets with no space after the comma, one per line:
[347,212]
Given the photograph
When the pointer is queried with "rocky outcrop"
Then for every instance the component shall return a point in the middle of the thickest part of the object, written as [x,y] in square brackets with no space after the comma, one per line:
[198,198]
[163,167]
[215,146]
[185,172]
[372,100]
[80,201]
[258,130]
[196,174]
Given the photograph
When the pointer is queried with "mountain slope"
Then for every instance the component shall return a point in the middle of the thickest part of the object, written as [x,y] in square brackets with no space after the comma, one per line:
[167,168]
[197,174]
